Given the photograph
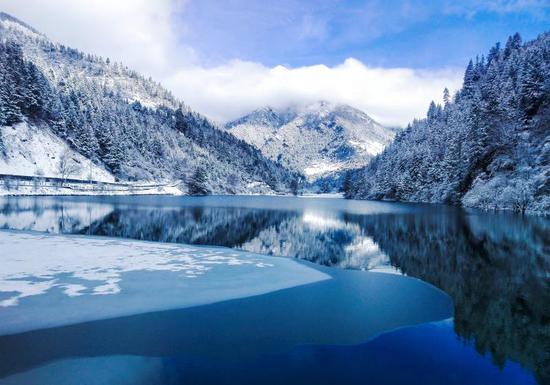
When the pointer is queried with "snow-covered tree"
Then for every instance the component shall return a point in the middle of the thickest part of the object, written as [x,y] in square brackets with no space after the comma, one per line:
[492,138]
[197,183]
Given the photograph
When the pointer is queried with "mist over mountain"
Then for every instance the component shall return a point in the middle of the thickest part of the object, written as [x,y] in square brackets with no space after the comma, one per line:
[127,125]
[321,140]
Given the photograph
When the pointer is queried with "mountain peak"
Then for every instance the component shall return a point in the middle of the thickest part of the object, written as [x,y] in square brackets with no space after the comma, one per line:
[312,112]
[319,138]
[264,116]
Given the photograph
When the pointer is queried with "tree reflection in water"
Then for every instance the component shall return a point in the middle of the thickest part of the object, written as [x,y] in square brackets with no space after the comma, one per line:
[494,267]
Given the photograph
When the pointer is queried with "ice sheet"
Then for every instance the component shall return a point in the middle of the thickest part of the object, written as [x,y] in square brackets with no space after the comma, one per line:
[51,280]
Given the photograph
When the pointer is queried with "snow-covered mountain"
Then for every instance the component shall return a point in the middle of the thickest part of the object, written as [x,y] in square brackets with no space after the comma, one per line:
[319,139]
[130,127]
[57,61]
[487,147]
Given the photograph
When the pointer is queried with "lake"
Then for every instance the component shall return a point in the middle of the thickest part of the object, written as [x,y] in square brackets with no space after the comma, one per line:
[299,290]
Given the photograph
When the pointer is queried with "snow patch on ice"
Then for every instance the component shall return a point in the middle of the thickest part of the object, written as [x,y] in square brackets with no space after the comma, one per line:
[31,271]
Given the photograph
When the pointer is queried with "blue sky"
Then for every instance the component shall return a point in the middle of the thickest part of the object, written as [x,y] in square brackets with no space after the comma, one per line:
[390,33]
[225,58]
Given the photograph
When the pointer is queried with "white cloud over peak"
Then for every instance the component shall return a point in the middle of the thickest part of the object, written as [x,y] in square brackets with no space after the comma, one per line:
[393,96]
[146,36]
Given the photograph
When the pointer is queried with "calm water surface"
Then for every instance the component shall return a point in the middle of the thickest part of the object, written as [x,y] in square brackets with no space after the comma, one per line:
[358,327]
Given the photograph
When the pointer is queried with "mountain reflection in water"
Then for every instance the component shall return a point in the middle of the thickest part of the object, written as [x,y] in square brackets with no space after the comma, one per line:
[495,267]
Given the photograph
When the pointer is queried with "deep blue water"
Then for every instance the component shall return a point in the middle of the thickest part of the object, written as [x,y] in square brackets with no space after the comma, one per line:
[359,327]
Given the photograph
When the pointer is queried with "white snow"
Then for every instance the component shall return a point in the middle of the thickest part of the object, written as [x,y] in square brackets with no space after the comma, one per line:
[55,66]
[16,27]
[318,139]
[51,280]
[321,169]
[35,151]
[322,195]
[370,147]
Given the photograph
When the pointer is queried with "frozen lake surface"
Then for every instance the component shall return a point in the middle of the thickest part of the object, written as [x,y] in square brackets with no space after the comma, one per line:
[51,280]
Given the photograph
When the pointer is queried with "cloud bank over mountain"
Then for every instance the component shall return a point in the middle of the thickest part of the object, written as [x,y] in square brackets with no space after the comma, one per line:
[159,39]
[392,96]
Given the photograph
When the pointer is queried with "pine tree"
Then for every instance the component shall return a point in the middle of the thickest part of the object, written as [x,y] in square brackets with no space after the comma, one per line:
[469,79]
[10,90]
[512,44]
[494,54]
[85,140]
[532,86]
[197,183]
[446,96]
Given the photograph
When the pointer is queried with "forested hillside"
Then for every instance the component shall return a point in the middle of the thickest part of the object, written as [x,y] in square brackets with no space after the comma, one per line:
[486,147]
[127,123]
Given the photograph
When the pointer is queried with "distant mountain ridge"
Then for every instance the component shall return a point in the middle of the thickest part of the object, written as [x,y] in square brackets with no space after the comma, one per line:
[126,124]
[318,139]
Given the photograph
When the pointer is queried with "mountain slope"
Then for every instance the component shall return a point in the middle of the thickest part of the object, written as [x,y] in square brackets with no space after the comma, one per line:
[319,139]
[35,151]
[487,148]
[121,121]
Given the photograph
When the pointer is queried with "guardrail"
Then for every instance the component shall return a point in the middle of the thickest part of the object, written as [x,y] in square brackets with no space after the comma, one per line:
[14,182]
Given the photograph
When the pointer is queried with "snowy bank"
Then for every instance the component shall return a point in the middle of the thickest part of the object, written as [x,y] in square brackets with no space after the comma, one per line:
[52,280]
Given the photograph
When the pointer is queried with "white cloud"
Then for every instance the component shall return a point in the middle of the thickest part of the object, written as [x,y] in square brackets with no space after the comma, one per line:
[145,36]
[391,96]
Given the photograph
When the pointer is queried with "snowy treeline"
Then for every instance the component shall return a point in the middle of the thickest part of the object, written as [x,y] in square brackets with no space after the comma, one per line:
[487,147]
[121,120]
